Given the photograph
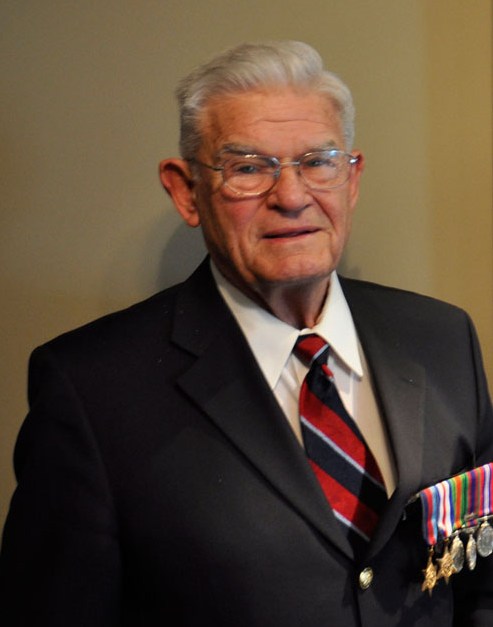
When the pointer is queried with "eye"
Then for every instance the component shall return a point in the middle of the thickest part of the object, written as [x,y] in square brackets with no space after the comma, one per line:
[246,167]
[320,160]
[316,162]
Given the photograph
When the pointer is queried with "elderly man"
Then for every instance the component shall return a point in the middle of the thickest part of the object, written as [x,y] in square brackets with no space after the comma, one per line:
[266,444]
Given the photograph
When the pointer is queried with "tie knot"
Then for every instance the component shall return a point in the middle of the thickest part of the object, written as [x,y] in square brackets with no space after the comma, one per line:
[311,348]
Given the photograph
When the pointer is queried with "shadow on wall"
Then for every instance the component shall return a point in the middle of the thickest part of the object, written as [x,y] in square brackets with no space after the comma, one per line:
[183,252]
[350,271]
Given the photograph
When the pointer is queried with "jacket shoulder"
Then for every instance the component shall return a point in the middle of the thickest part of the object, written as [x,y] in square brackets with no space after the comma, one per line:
[397,300]
[132,323]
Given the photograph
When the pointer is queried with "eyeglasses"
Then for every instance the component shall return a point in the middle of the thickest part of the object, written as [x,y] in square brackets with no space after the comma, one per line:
[254,175]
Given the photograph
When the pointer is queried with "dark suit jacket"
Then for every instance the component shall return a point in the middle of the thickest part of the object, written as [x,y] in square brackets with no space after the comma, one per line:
[160,483]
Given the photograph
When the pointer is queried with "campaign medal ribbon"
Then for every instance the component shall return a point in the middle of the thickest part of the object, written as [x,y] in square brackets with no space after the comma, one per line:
[456,523]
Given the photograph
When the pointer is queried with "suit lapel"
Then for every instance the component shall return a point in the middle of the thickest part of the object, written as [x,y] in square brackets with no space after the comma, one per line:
[226,383]
[400,387]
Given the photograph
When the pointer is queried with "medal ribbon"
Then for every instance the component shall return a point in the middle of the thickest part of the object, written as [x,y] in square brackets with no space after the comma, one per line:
[456,503]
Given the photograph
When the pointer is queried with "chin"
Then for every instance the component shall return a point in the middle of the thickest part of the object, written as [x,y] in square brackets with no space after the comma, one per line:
[296,272]
[297,278]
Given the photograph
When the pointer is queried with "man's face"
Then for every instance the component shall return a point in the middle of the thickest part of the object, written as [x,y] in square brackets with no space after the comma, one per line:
[292,234]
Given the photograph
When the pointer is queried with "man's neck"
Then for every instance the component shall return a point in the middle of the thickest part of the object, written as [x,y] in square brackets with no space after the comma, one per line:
[297,304]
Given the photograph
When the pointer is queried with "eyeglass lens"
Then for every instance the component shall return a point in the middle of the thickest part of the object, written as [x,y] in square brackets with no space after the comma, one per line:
[255,174]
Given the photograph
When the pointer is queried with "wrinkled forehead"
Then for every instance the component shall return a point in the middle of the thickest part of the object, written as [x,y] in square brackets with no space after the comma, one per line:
[274,116]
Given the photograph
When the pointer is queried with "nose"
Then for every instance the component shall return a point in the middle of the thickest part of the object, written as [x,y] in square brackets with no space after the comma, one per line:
[290,192]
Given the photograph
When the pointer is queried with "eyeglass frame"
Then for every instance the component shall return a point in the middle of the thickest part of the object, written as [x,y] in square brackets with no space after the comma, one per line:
[278,165]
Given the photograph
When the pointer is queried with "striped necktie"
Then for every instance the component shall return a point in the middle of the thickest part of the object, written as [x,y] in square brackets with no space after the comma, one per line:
[344,465]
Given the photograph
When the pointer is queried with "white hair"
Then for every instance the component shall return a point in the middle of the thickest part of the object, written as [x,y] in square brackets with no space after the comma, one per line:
[252,66]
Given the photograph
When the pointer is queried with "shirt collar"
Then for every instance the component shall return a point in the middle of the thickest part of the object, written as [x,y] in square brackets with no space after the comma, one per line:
[336,326]
[272,340]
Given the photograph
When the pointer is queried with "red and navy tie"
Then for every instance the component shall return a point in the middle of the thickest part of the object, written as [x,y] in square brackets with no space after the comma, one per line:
[343,463]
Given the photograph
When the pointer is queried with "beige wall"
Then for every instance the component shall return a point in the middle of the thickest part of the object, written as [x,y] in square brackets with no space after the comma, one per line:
[87,112]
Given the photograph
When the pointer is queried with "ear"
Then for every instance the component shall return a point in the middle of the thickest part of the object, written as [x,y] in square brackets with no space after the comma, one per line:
[354,181]
[176,179]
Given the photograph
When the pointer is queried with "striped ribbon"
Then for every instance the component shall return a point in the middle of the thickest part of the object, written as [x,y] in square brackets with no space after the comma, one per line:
[456,503]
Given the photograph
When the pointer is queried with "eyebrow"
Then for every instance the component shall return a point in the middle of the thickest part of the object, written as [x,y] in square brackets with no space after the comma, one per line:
[240,149]
[243,149]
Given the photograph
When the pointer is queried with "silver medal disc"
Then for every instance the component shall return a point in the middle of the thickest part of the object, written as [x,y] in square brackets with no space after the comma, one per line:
[485,540]
[457,552]
[471,553]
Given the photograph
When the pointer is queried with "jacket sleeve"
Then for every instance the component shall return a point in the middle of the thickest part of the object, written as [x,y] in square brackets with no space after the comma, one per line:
[60,563]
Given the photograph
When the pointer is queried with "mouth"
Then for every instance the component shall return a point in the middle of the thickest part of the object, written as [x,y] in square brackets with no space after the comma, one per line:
[291,233]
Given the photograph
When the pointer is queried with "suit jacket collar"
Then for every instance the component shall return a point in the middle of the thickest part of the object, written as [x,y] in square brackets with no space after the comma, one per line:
[226,383]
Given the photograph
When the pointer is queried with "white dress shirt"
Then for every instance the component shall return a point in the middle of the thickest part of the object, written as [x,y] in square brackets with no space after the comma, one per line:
[272,341]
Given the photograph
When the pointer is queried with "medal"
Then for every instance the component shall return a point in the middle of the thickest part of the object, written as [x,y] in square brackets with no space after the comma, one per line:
[485,540]
[461,505]
[471,552]
[430,573]
[445,565]
[457,553]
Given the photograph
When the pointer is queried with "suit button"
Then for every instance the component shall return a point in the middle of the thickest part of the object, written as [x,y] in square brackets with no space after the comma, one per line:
[365,578]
